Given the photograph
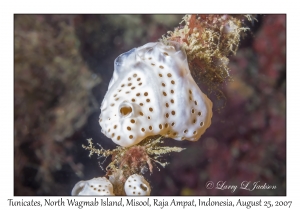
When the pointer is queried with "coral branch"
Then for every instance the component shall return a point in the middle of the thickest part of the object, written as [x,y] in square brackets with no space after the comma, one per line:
[133,158]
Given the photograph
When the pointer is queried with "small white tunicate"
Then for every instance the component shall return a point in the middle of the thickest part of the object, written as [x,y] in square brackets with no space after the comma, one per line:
[95,186]
[137,185]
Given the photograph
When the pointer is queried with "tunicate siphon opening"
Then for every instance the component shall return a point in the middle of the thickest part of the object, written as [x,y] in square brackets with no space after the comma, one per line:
[144,187]
[125,110]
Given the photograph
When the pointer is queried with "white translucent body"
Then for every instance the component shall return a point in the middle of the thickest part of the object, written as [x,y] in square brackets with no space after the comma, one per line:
[95,186]
[151,93]
[137,185]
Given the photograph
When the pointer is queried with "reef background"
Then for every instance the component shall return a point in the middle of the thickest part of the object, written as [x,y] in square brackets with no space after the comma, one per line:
[63,64]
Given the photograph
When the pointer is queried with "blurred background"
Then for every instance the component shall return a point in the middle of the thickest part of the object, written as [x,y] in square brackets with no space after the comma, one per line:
[62,67]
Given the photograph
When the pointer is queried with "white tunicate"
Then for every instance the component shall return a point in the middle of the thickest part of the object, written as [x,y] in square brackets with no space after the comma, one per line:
[137,185]
[152,92]
[95,186]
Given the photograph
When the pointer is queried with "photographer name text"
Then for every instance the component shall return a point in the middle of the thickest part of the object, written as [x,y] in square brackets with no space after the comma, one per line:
[245,185]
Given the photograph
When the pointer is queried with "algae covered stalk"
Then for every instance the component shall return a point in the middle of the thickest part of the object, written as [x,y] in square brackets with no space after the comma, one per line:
[152,92]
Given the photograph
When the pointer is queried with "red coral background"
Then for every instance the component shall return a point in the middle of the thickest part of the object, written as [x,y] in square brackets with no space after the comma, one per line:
[246,141]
